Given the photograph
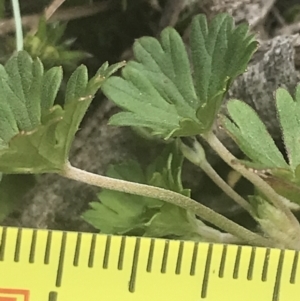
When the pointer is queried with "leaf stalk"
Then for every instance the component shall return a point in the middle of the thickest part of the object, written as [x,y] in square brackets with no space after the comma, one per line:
[172,197]
[196,155]
[277,200]
[207,168]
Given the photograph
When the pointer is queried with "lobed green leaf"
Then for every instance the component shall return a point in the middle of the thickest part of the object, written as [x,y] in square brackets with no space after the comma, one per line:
[35,134]
[289,115]
[220,52]
[174,222]
[50,86]
[121,213]
[163,91]
[251,135]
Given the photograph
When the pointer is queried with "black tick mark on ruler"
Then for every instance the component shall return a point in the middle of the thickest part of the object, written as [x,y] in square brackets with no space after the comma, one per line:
[237,263]
[48,248]
[92,251]
[266,265]
[3,243]
[165,258]
[223,261]
[294,268]
[61,260]
[135,260]
[121,253]
[206,272]
[276,290]
[179,258]
[150,256]
[77,250]
[32,246]
[194,259]
[18,245]
[106,252]
[251,264]
[52,296]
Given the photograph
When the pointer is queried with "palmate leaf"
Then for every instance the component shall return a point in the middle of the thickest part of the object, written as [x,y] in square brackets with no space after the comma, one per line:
[161,91]
[252,137]
[250,134]
[174,222]
[121,213]
[165,171]
[289,115]
[220,53]
[35,134]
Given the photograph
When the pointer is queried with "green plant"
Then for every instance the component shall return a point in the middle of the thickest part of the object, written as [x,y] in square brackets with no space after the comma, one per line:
[48,45]
[46,41]
[170,97]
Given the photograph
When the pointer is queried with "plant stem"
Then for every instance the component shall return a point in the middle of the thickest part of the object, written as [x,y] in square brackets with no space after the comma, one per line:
[217,236]
[277,200]
[227,238]
[18,24]
[168,196]
[7,25]
[196,155]
[52,8]
[207,168]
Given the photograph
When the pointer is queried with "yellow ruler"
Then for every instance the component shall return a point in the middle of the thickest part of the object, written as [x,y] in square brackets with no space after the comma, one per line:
[42,265]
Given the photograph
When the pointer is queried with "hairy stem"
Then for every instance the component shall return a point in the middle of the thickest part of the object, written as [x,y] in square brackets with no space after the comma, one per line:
[227,238]
[196,154]
[277,200]
[207,168]
[216,236]
[168,196]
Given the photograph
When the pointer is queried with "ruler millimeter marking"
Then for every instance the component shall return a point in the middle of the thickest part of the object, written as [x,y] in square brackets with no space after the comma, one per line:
[60,266]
